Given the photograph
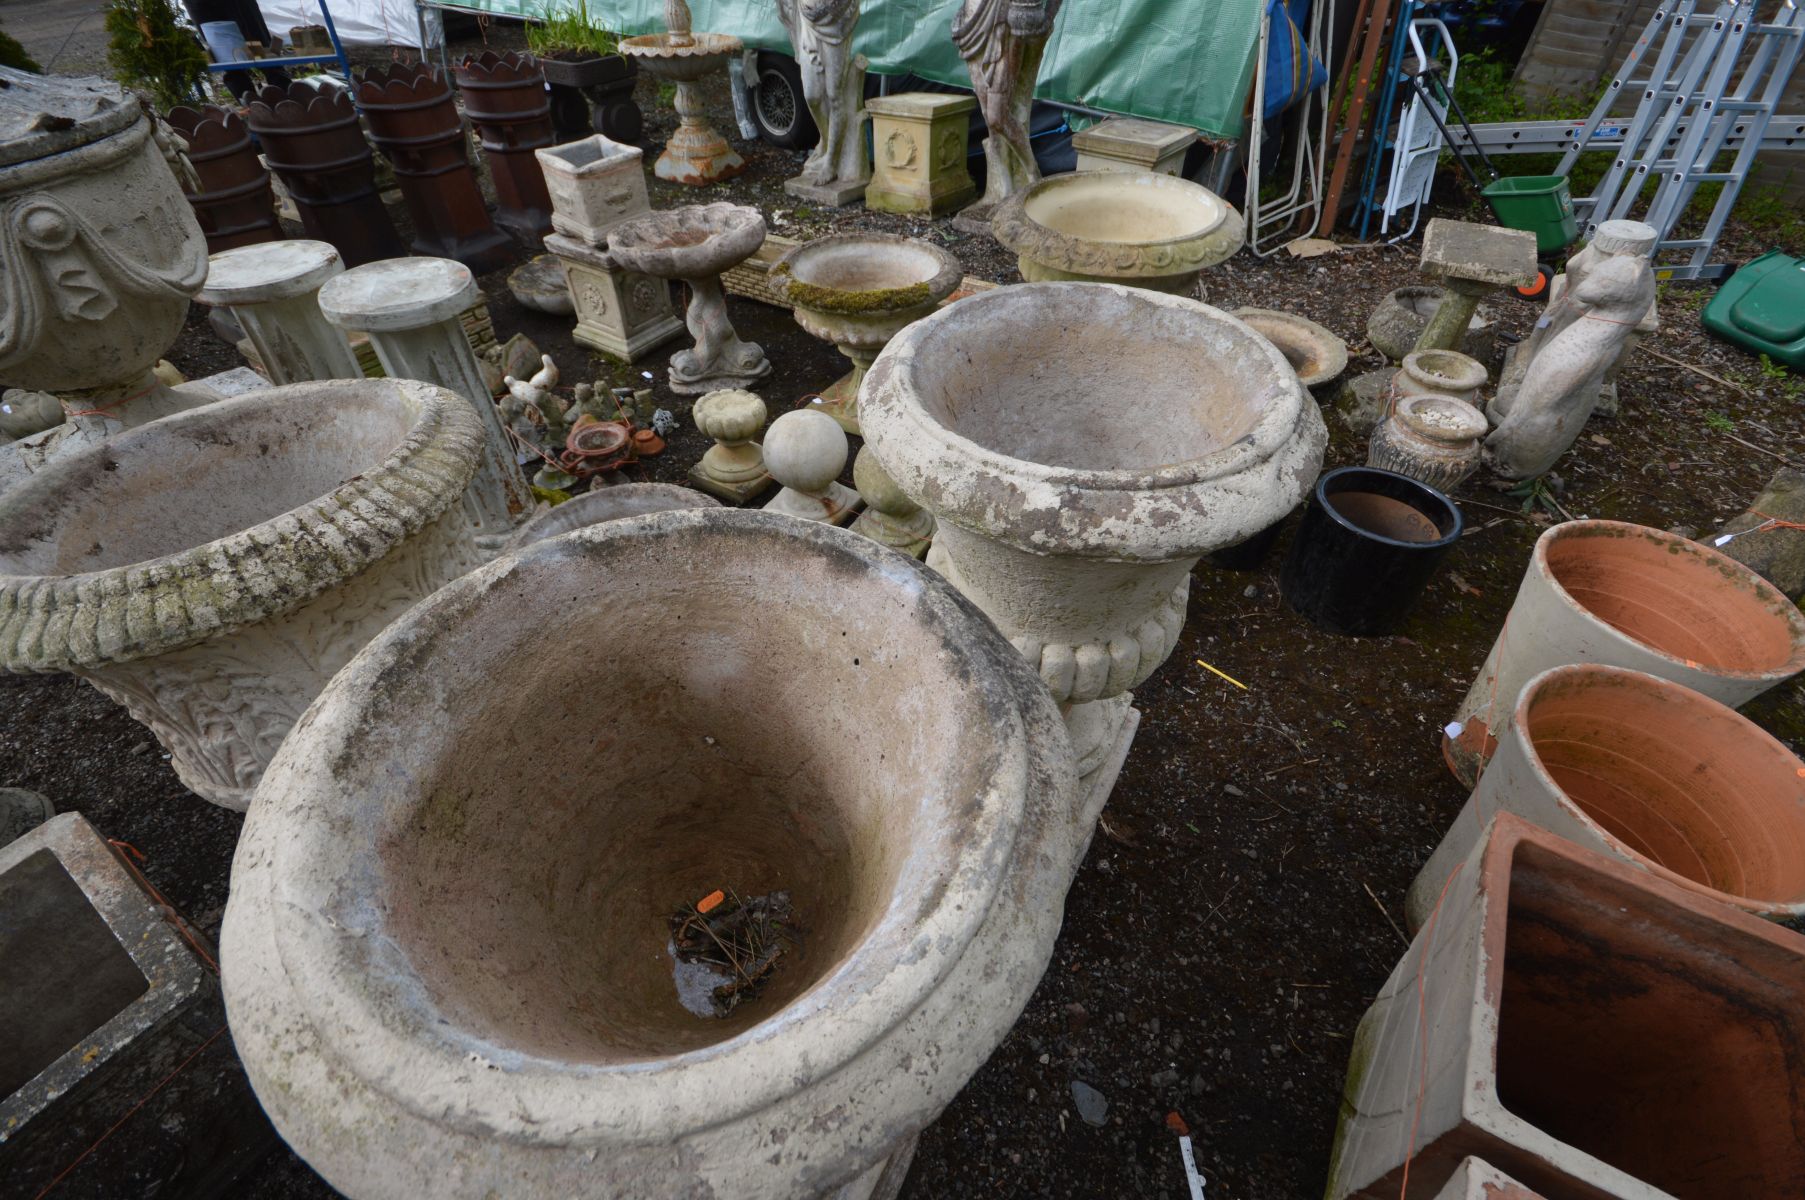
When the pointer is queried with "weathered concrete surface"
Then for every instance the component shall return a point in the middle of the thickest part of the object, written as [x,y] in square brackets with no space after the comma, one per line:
[1776,552]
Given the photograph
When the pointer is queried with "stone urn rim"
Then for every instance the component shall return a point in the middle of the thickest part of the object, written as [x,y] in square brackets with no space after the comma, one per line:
[1044,508]
[1212,241]
[1327,353]
[788,281]
[658,48]
[1442,418]
[362,987]
[157,605]
[83,110]
[724,234]
[369,299]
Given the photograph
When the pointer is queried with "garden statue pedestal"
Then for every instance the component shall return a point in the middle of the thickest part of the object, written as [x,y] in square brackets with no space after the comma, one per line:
[1081,447]
[805,451]
[273,289]
[1470,262]
[838,169]
[1133,144]
[595,184]
[1002,42]
[734,467]
[99,251]
[694,154]
[1134,227]
[412,310]
[919,156]
[923,826]
[695,244]
[212,570]
[857,290]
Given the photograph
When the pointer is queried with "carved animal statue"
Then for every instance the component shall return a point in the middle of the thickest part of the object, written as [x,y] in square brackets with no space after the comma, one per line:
[1002,42]
[833,84]
[1561,387]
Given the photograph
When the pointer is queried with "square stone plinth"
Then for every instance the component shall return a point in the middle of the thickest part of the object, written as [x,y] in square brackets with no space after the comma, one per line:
[1133,144]
[919,142]
[110,1020]
[732,493]
[595,184]
[1482,254]
[618,312]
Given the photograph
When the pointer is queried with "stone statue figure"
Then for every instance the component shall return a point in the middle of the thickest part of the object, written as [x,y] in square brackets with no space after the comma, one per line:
[1002,42]
[1596,316]
[833,84]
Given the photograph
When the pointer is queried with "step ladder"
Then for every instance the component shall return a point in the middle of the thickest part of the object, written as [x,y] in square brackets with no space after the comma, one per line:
[1713,77]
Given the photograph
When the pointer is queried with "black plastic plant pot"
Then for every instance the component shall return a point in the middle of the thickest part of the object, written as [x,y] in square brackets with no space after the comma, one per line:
[1368,544]
[1248,555]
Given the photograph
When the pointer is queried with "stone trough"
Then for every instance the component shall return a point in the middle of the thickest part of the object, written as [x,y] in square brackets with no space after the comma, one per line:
[212,570]
[448,951]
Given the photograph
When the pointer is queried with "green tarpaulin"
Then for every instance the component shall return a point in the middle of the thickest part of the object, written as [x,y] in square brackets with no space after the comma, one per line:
[1186,61]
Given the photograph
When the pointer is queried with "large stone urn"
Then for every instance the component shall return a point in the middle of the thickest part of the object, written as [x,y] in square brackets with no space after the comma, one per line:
[449,957]
[99,250]
[212,570]
[1081,446]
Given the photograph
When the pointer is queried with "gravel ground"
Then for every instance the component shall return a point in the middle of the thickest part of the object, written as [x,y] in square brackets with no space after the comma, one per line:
[1240,904]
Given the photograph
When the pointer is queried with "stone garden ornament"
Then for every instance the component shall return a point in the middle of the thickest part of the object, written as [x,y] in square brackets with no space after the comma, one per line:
[1002,42]
[833,83]
[695,154]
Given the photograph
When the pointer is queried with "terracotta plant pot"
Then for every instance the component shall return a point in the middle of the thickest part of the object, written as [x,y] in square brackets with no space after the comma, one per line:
[414,121]
[235,206]
[593,94]
[1651,772]
[1593,1030]
[1629,596]
[313,140]
[1477,1180]
[505,98]
[467,991]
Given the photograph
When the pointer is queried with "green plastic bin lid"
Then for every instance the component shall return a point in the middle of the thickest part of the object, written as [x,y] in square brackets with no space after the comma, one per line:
[1774,308]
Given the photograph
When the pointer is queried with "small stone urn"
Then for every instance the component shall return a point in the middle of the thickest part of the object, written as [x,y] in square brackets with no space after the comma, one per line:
[1438,373]
[461,994]
[1435,440]
[99,250]
[1080,447]
[212,570]
[734,467]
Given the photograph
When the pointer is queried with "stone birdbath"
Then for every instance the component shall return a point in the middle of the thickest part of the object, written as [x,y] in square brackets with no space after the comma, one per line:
[858,290]
[1134,227]
[1080,447]
[695,154]
[459,994]
[1470,261]
[212,570]
[1315,353]
[696,243]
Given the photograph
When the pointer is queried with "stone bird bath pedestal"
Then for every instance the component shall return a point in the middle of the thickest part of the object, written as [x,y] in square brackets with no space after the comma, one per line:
[212,570]
[695,154]
[1080,447]
[444,986]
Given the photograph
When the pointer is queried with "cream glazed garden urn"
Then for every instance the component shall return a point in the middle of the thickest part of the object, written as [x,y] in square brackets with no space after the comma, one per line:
[212,570]
[1080,446]
[448,955]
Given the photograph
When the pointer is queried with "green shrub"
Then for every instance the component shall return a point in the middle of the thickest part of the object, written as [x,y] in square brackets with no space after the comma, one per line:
[570,28]
[148,48]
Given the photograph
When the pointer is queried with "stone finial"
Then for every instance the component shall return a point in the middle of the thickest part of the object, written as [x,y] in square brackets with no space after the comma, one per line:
[806,451]
[734,467]
[890,516]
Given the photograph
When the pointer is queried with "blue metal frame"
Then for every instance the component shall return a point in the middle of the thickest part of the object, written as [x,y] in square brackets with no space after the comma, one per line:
[297,60]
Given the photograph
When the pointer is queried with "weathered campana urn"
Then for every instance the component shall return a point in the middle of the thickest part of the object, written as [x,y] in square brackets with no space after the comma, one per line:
[99,250]
[449,955]
[212,570]
[1081,445]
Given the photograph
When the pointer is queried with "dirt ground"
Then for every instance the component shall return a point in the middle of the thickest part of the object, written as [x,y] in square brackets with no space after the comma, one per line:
[1241,902]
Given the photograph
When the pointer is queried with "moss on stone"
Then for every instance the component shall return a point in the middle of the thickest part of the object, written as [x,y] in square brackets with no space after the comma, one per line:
[836,300]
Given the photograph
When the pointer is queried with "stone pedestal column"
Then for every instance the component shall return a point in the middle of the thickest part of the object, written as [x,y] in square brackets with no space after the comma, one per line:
[919,141]
[410,307]
[273,289]
[1132,144]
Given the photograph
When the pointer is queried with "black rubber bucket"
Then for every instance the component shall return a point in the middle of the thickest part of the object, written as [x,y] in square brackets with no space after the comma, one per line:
[1367,546]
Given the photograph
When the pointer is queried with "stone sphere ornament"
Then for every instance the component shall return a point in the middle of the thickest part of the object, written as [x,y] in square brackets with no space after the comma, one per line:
[805,451]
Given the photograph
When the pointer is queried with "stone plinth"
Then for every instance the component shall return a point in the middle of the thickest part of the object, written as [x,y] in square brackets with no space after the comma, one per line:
[910,788]
[273,288]
[1133,144]
[919,161]
[623,313]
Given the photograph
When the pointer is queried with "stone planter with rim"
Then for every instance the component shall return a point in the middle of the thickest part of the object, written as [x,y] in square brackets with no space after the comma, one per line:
[212,570]
[491,1007]
[1133,227]
[858,290]
[1437,440]
[1629,596]
[1080,448]
[1437,373]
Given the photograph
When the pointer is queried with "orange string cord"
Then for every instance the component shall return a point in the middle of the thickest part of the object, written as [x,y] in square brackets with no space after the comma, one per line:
[142,1101]
[104,409]
[129,852]
[1773,522]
